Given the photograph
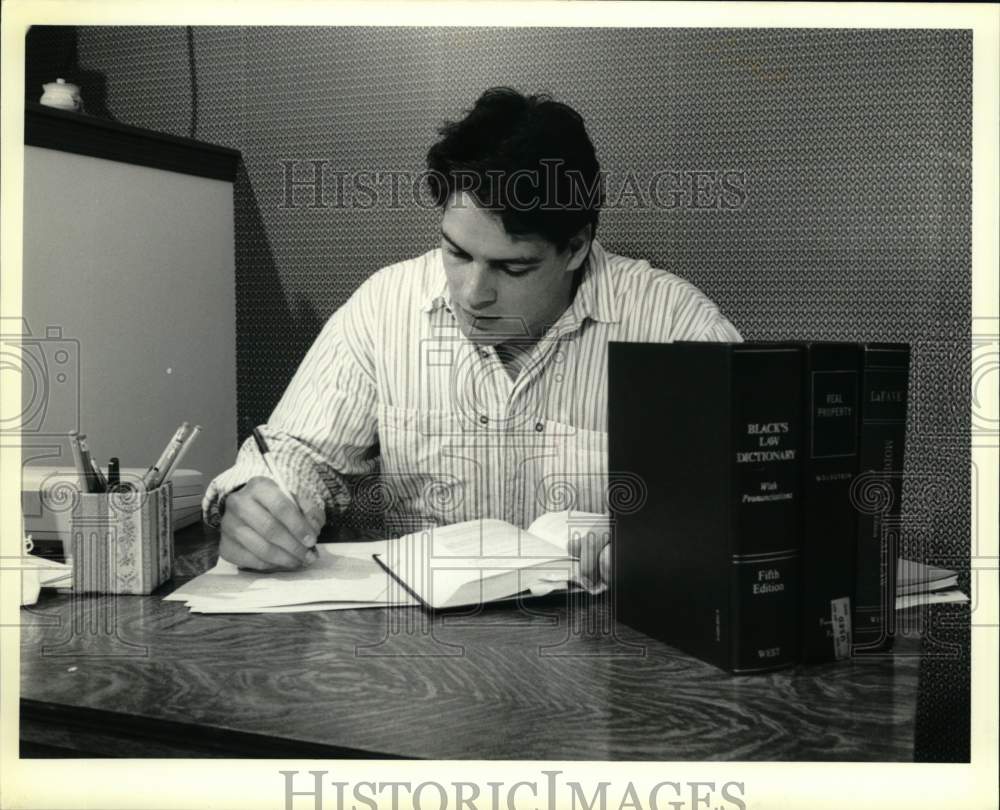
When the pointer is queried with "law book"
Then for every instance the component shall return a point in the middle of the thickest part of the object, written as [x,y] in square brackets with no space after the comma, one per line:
[481,561]
[831,396]
[877,492]
[706,553]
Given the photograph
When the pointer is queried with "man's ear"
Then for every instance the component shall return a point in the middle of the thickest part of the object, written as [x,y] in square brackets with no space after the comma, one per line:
[579,247]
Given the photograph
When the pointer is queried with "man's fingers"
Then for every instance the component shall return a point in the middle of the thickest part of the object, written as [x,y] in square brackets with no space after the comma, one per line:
[573,547]
[269,527]
[586,548]
[261,547]
[588,558]
[272,499]
[232,551]
[604,563]
[263,530]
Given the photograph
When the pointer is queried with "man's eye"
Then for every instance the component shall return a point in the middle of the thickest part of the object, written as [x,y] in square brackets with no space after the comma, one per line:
[517,271]
[456,253]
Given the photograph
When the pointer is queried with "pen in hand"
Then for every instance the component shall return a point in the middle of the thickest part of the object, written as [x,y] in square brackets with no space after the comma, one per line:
[265,454]
[275,476]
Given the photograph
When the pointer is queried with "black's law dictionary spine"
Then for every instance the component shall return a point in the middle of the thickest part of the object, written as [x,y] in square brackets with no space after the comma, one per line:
[709,563]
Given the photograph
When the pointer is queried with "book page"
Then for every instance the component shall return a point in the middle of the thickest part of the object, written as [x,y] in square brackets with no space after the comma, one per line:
[915,577]
[558,528]
[490,539]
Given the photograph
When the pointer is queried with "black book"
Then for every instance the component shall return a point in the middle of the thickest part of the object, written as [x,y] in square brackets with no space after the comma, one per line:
[708,560]
[877,492]
[831,396]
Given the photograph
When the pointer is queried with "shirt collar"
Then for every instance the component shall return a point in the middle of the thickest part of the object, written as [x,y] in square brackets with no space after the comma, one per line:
[594,297]
[435,293]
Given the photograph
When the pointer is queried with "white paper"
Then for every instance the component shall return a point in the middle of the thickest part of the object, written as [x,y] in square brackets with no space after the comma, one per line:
[915,577]
[38,573]
[344,572]
[309,607]
[930,598]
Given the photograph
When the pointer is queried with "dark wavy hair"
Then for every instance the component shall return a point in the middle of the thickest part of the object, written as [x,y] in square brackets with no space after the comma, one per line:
[528,158]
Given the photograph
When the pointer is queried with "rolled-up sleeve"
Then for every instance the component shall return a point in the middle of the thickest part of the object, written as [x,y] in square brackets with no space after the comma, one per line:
[323,430]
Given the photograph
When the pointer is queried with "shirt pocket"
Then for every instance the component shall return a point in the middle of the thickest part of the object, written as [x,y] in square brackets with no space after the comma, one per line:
[574,470]
[433,467]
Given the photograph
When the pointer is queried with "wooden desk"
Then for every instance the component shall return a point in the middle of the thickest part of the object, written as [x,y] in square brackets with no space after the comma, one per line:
[550,680]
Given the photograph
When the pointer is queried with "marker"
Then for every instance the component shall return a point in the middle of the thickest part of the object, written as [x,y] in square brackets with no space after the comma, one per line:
[152,477]
[114,473]
[265,454]
[81,469]
[102,482]
[176,462]
[95,480]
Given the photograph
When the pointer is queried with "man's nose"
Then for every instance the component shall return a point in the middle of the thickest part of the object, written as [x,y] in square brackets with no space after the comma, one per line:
[479,289]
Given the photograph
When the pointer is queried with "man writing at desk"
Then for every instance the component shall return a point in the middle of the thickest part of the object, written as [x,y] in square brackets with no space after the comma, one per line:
[471,378]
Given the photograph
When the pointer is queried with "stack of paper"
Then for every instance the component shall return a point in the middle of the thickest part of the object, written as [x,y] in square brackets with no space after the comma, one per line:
[919,584]
[345,576]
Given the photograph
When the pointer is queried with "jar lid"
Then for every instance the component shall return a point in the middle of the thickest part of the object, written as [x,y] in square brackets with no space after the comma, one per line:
[61,84]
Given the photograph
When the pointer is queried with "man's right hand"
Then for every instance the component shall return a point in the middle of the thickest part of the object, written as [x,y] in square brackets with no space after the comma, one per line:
[264,531]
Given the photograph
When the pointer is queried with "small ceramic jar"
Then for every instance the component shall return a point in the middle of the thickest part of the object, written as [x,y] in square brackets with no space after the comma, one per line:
[62,95]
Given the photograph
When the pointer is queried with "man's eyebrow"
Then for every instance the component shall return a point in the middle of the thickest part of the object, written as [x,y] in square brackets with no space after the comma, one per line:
[512,260]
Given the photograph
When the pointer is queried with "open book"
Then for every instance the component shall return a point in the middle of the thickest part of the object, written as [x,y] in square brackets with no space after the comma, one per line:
[487,560]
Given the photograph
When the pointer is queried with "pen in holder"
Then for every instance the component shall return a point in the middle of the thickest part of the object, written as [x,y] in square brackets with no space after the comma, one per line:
[121,541]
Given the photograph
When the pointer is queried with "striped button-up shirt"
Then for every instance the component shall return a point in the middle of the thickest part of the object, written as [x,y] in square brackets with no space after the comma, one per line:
[394,412]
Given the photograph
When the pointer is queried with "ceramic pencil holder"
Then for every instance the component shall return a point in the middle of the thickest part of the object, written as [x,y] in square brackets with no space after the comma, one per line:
[121,542]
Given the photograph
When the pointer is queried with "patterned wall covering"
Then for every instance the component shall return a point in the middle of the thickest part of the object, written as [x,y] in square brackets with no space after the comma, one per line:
[856,147]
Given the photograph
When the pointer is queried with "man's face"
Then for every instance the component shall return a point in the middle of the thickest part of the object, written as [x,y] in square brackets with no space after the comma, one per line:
[503,287]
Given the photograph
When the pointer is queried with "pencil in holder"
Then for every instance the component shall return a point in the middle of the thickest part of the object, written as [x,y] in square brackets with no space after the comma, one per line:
[121,542]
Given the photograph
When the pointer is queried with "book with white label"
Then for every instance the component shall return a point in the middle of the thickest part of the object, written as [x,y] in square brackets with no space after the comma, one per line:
[482,561]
